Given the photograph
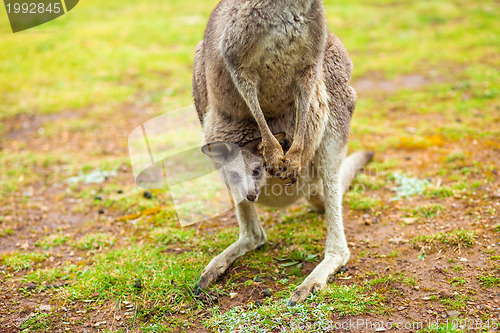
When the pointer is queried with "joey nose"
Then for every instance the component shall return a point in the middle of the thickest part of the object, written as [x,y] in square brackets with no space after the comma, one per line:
[251,197]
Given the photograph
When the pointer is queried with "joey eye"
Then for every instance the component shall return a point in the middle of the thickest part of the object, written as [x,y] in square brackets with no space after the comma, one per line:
[256,172]
[234,176]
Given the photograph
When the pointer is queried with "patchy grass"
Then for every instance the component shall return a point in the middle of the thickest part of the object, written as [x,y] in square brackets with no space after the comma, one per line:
[39,321]
[50,241]
[439,192]
[390,279]
[489,281]
[457,281]
[456,302]
[6,232]
[21,261]
[276,315]
[95,241]
[358,201]
[459,238]
[427,211]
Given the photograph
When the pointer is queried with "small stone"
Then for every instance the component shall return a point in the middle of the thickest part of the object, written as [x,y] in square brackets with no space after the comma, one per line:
[401,308]
[45,307]
[410,129]
[119,191]
[409,220]
[267,292]
[259,302]
[397,240]
[147,195]
[98,198]
[258,279]
[453,313]
[375,220]
[463,259]
[31,286]
[232,295]
[380,329]
[138,284]
[101,211]
[343,269]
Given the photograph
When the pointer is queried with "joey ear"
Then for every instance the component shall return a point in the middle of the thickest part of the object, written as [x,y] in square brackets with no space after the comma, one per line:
[218,151]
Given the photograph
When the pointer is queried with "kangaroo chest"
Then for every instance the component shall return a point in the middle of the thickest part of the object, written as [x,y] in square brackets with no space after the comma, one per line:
[280,54]
[283,46]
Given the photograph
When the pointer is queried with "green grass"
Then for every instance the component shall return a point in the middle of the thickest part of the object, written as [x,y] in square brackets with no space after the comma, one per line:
[167,280]
[439,192]
[456,302]
[276,315]
[53,240]
[95,241]
[21,261]
[358,201]
[427,211]
[6,232]
[489,281]
[37,322]
[401,278]
[457,281]
[459,238]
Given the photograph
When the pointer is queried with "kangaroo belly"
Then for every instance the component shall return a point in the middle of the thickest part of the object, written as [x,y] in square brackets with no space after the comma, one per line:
[277,195]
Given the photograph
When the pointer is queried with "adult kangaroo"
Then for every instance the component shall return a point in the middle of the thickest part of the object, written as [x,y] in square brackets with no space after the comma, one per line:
[271,82]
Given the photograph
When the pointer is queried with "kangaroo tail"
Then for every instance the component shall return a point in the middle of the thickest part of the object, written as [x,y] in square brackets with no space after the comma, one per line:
[351,166]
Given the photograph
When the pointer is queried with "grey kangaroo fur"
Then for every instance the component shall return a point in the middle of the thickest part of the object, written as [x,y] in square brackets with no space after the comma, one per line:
[270,78]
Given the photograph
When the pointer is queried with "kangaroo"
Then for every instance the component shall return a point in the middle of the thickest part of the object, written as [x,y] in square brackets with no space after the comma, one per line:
[271,82]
